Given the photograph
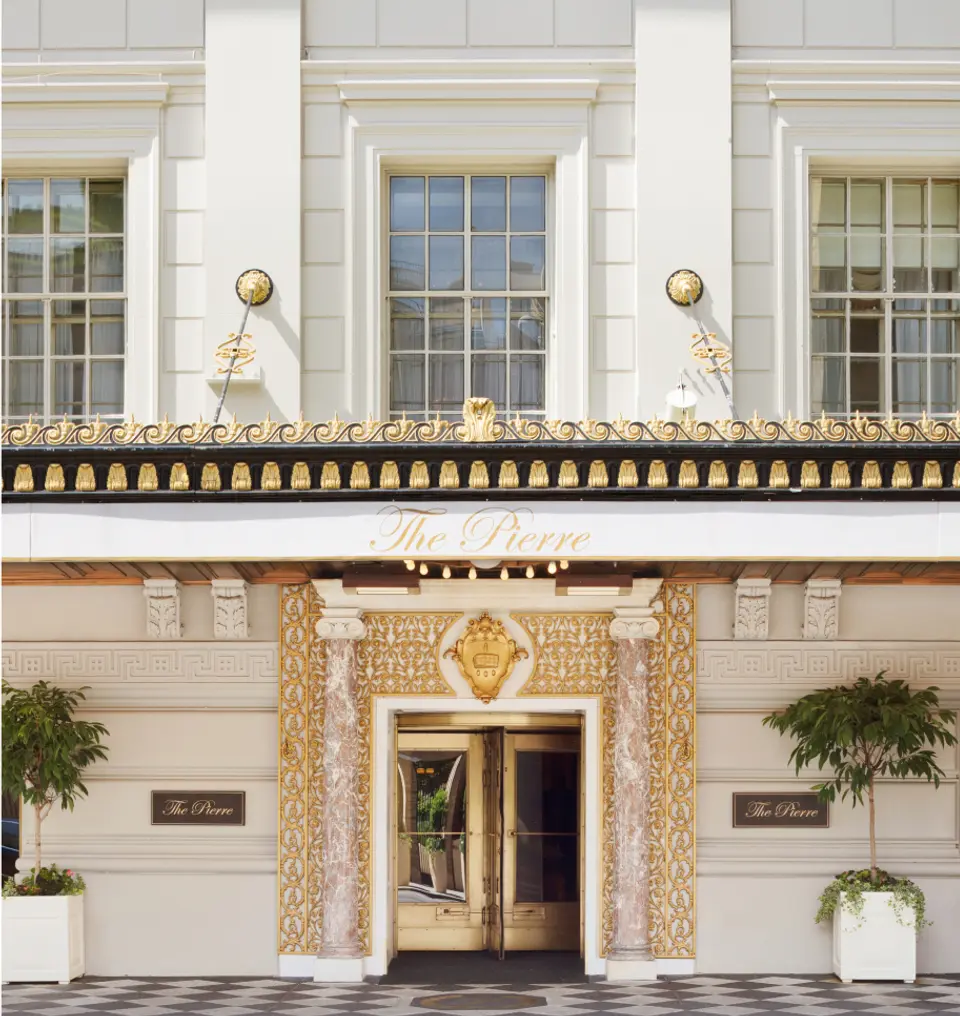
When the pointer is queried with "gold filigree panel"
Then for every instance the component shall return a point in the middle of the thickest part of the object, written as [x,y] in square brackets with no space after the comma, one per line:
[576,656]
[399,655]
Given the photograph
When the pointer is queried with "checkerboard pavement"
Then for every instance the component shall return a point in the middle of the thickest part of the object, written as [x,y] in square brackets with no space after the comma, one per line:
[717,996]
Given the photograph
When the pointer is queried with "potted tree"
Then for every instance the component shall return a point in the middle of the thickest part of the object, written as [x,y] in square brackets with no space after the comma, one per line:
[871,729]
[45,752]
[431,811]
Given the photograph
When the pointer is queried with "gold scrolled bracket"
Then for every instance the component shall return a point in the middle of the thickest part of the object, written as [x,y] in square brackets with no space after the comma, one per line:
[684,287]
[259,282]
[718,353]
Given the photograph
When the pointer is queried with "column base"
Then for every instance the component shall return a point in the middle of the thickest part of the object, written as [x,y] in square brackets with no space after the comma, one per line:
[638,967]
[338,969]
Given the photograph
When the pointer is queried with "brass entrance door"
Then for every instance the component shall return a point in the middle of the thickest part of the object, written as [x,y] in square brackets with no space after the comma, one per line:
[489,841]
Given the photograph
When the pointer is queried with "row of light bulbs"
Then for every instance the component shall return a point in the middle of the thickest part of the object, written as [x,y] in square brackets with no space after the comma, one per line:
[530,571]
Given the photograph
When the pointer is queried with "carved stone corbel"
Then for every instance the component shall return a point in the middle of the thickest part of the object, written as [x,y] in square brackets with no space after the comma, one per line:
[752,618]
[821,609]
[229,608]
[163,608]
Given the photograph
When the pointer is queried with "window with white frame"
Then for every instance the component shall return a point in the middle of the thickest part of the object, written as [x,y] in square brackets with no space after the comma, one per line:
[467,293]
[885,295]
[64,306]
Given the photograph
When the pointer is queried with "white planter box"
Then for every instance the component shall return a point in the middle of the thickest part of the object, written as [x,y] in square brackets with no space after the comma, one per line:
[42,938]
[874,946]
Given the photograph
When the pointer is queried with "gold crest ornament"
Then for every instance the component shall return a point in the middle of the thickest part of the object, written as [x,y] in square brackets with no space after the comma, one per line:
[486,655]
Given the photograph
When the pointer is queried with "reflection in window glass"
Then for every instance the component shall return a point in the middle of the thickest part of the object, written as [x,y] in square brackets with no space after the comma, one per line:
[467,276]
[884,295]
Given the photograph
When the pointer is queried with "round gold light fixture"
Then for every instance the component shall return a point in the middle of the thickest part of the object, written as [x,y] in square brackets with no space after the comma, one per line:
[256,281]
[684,287]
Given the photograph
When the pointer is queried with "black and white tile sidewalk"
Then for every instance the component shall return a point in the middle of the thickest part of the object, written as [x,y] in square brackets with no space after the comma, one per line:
[717,996]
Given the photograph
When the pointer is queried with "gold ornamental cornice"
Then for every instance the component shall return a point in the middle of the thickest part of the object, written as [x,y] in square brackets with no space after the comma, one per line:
[481,427]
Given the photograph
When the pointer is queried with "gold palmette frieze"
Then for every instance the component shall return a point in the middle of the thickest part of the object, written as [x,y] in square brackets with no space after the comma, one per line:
[718,478]
[300,476]
[627,476]
[419,476]
[509,478]
[840,476]
[330,476]
[688,477]
[389,476]
[482,426]
[179,479]
[449,476]
[240,478]
[657,474]
[23,480]
[117,477]
[747,478]
[932,476]
[809,475]
[598,474]
[479,477]
[147,479]
[539,477]
[568,475]
[86,481]
[270,477]
[902,477]
[54,480]
[779,475]
[210,477]
[359,476]
[870,478]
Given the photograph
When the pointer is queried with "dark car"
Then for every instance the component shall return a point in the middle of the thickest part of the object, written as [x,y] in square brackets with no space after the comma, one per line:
[11,845]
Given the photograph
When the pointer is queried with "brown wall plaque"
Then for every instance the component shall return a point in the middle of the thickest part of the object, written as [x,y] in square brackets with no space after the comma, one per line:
[781,811]
[198,807]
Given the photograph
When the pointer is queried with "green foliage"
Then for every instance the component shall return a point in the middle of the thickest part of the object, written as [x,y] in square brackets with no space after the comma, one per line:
[431,813]
[852,885]
[49,881]
[871,728]
[45,749]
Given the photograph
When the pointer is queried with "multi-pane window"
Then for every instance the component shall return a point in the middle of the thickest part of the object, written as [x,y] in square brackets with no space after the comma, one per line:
[467,293]
[885,295]
[64,306]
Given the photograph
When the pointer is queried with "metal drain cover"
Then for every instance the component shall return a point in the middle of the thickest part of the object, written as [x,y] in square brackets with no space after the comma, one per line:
[475,1001]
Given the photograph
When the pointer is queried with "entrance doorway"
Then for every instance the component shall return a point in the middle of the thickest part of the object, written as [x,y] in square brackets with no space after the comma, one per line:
[489,836]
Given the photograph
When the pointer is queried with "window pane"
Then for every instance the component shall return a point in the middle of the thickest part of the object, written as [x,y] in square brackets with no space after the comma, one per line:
[407,383]
[106,206]
[527,262]
[490,379]
[866,385]
[945,335]
[406,324]
[909,335]
[828,264]
[489,255]
[946,258]
[909,268]
[446,262]
[547,869]
[106,266]
[24,206]
[828,205]
[407,268]
[909,206]
[866,334]
[25,266]
[446,383]
[446,324]
[526,324]
[68,206]
[527,204]
[866,205]
[406,202]
[69,327]
[446,203]
[488,324]
[829,334]
[909,386]
[944,386]
[488,203]
[106,387]
[527,382]
[26,328]
[106,327]
[828,380]
[68,396]
[866,262]
[946,206]
[26,387]
[67,258]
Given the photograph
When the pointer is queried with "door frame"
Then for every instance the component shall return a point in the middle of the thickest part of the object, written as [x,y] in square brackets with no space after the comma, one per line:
[383,728]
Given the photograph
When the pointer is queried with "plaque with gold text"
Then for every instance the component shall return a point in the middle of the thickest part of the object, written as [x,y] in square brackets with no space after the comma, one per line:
[780,811]
[198,807]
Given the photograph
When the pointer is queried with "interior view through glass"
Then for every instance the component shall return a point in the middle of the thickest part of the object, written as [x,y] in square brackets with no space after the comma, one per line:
[488,839]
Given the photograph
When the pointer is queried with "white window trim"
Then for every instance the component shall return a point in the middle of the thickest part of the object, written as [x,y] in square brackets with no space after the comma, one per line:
[468,137]
[91,129]
[839,136]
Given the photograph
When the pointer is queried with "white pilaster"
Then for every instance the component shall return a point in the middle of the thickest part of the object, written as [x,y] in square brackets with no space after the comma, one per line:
[163,608]
[229,608]
[752,618]
[821,609]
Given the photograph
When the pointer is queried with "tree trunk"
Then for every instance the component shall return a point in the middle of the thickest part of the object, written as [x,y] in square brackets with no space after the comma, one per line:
[37,818]
[873,831]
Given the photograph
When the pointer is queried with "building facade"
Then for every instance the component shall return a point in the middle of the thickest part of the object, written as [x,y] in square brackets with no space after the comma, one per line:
[460,651]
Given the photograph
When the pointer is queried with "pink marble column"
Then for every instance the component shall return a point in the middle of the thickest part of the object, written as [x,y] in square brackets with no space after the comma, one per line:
[630,957]
[340,957]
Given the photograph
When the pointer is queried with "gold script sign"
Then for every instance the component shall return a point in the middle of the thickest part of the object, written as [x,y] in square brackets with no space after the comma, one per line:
[485,655]
[493,530]
[203,807]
